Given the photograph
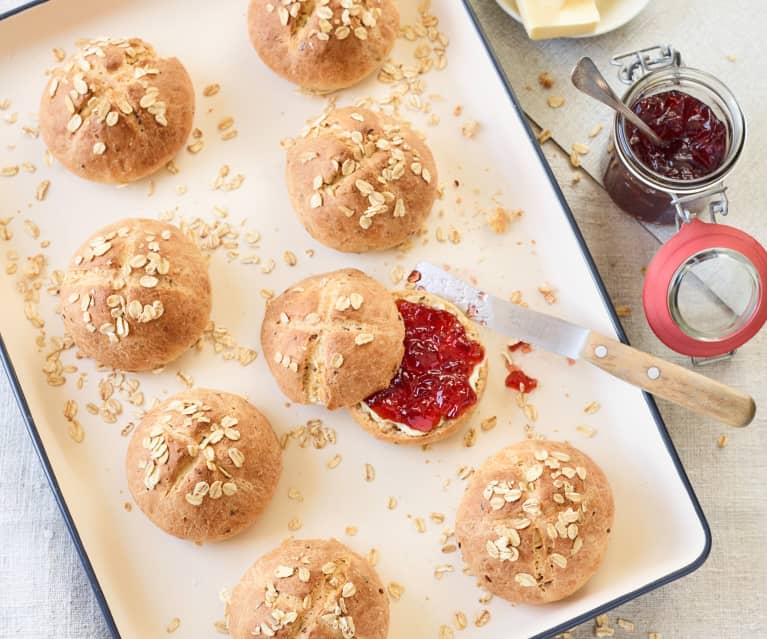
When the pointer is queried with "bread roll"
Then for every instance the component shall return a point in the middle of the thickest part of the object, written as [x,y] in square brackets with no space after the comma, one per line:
[203,464]
[136,295]
[361,181]
[115,111]
[313,589]
[333,339]
[396,432]
[534,522]
[323,46]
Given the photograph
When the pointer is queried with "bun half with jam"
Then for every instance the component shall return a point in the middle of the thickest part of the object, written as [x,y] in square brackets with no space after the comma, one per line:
[440,380]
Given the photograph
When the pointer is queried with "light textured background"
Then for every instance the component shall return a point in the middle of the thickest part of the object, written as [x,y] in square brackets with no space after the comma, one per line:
[44,592]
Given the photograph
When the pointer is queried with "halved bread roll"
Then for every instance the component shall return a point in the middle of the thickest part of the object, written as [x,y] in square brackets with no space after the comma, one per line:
[440,381]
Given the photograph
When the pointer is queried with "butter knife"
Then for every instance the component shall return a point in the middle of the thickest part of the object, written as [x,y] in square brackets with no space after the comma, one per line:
[650,373]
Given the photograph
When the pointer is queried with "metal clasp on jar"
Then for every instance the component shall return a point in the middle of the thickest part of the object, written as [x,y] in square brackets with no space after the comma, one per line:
[718,205]
[635,64]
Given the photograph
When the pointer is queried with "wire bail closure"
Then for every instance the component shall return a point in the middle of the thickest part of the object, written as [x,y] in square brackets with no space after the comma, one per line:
[635,64]
[717,206]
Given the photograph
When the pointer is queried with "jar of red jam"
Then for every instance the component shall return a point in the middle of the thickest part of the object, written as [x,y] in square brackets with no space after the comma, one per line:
[703,125]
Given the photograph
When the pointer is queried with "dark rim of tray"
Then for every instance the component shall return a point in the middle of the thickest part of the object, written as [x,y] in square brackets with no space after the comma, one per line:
[587,616]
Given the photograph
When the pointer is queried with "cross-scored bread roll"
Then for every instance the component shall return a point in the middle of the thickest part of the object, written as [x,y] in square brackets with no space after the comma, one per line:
[136,295]
[361,181]
[203,464]
[116,111]
[333,339]
[314,588]
[323,45]
[443,403]
[534,523]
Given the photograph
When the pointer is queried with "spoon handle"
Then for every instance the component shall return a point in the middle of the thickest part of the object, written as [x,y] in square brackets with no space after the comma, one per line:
[587,78]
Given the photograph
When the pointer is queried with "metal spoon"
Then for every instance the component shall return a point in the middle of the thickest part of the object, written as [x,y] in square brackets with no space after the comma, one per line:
[587,78]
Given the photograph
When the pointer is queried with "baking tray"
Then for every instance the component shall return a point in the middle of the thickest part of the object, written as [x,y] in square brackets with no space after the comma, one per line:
[135,568]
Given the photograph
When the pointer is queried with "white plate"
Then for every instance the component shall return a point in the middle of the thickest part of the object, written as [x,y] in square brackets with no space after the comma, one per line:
[613,13]
[146,577]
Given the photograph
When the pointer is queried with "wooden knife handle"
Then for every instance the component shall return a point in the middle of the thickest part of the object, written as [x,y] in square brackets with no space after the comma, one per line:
[670,381]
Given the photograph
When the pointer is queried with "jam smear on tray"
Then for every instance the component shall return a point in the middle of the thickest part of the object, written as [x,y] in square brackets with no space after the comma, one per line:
[518,380]
[697,139]
[433,380]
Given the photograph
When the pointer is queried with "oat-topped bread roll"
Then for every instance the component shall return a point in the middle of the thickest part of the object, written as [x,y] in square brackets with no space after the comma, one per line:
[313,589]
[115,111]
[136,295]
[323,45]
[203,464]
[534,522]
[440,381]
[361,181]
[333,339]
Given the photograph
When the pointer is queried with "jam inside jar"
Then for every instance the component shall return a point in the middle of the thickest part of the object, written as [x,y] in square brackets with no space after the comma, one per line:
[705,130]
[434,381]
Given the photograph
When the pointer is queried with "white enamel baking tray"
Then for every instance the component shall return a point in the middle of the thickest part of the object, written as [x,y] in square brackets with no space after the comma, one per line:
[144,578]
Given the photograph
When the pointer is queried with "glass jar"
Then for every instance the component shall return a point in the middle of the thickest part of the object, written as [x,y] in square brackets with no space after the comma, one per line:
[640,191]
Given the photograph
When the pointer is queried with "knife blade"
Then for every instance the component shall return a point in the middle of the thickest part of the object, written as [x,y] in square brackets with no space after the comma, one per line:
[648,372]
[545,331]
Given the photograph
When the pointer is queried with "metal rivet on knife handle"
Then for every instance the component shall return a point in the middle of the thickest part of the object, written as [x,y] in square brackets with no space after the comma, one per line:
[600,351]
[653,372]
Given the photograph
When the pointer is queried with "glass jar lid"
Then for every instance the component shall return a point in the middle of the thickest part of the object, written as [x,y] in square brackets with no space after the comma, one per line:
[704,292]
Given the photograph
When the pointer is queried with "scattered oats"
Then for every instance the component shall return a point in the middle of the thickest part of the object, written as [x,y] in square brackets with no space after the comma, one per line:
[488,423]
[623,310]
[548,292]
[460,620]
[32,229]
[295,524]
[470,437]
[586,431]
[470,128]
[290,258]
[721,442]
[334,461]
[211,89]
[482,618]
[391,503]
[555,101]
[283,572]
[654,635]
[596,131]
[591,408]
[731,58]
[372,557]
[581,149]
[395,590]
[625,624]
[370,472]
[420,524]
[173,625]
[363,338]
[543,136]
[195,147]
[445,632]
[438,518]
[546,80]
[59,54]
[225,123]
[9,171]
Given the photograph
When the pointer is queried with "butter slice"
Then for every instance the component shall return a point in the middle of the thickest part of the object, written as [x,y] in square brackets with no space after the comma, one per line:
[558,18]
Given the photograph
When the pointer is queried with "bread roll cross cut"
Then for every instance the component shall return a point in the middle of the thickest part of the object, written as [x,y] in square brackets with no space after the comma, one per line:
[115,111]
[361,181]
[333,339]
[136,295]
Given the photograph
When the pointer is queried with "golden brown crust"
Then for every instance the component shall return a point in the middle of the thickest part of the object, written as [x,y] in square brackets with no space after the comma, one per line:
[203,464]
[323,46]
[321,588]
[333,339]
[361,181]
[136,295]
[539,532]
[388,432]
[116,112]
